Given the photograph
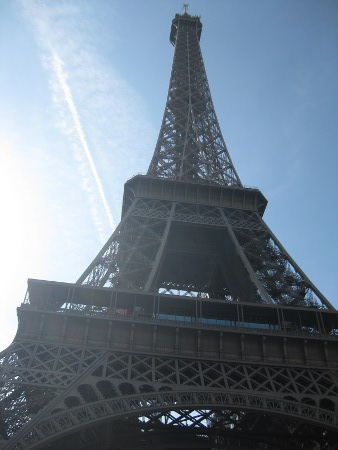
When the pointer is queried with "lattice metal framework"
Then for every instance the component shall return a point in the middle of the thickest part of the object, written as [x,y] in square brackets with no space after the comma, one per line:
[190,145]
[213,401]
[192,328]
[223,253]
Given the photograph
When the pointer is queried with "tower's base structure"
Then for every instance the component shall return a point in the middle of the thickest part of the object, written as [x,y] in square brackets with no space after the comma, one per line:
[192,329]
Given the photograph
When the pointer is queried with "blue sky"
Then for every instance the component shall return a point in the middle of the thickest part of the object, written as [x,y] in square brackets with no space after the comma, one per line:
[83,86]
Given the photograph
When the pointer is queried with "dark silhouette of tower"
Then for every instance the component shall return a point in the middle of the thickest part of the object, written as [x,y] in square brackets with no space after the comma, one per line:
[193,328]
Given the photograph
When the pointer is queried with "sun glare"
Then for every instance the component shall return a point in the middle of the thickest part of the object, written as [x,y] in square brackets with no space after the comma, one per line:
[21,235]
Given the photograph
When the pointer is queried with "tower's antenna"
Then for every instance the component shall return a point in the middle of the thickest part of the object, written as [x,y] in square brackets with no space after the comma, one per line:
[185,7]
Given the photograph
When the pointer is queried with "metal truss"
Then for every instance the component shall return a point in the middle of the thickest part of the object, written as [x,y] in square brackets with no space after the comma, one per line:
[281,277]
[128,257]
[190,145]
[31,375]
[44,364]
[94,386]
[250,264]
[138,406]
[140,248]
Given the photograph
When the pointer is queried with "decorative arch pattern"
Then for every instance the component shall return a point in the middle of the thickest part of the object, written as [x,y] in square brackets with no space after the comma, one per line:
[59,424]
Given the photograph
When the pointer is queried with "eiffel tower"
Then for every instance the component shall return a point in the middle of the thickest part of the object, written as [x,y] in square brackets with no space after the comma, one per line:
[193,328]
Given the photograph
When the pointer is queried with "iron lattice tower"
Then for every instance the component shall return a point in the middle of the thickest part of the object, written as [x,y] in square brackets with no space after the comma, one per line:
[192,328]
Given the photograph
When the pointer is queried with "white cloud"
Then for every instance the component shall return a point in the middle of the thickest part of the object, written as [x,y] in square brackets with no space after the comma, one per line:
[102,117]
[58,67]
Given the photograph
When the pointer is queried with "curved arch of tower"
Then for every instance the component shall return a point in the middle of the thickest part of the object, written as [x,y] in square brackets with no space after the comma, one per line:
[192,328]
[207,416]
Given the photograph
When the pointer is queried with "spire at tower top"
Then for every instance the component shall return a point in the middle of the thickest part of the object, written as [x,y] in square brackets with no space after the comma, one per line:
[185,7]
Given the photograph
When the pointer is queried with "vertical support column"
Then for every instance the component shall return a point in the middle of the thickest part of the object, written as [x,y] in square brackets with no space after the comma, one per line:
[153,370]
[241,309]
[86,332]
[131,337]
[285,350]
[280,321]
[41,325]
[326,353]
[306,352]
[177,332]
[200,370]
[65,319]
[154,338]
[159,254]
[57,358]
[110,325]
[225,378]
[110,309]
[177,370]
[283,323]
[129,367]
[320,323]
[221,345]
[264,347]
[154,307]
[199,332]
[242,346]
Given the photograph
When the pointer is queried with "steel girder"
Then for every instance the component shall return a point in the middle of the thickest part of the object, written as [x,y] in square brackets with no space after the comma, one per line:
[225,249]
[94,387]
[281,277]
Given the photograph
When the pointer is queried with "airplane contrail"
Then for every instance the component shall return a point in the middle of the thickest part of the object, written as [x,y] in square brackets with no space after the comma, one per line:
[58,68]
